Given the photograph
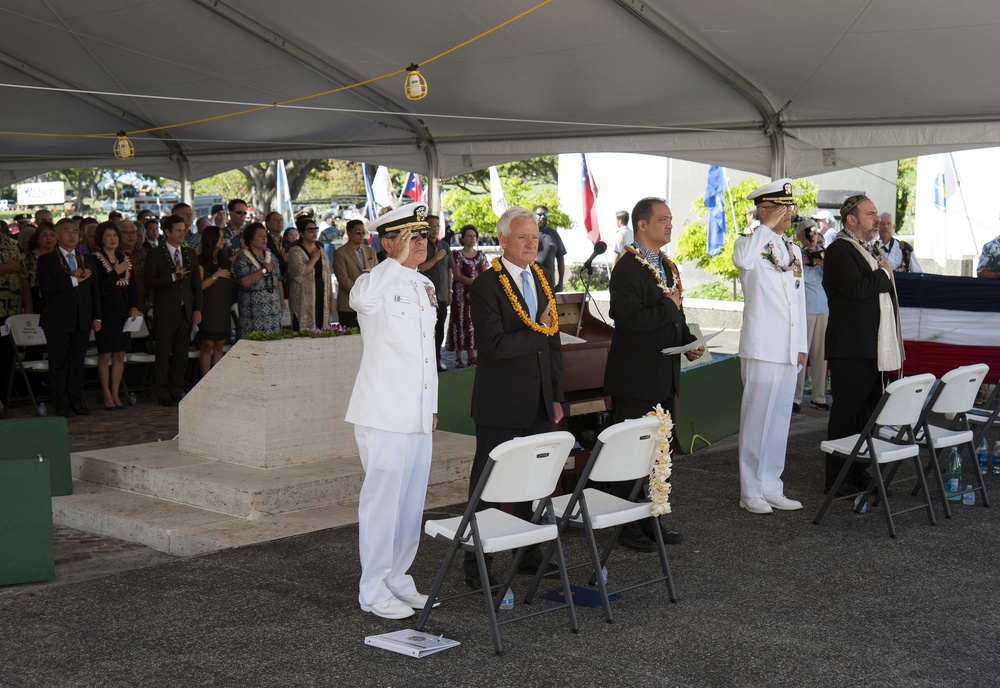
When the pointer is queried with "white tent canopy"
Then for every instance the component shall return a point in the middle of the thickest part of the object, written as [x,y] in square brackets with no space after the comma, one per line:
[790,87]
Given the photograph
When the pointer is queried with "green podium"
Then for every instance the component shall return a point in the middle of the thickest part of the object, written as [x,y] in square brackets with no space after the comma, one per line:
[23,438]
[708,407]
[26,550]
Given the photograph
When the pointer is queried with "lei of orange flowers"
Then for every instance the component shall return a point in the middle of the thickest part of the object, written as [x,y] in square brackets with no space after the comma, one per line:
[525,318]
[667,291]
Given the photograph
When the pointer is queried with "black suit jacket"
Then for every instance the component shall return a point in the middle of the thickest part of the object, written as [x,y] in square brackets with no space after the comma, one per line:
[646,321]
[67,308]
[517,365]
[167,292]
[852,290]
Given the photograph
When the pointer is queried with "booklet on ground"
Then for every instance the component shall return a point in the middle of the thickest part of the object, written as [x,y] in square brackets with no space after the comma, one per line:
[410,642]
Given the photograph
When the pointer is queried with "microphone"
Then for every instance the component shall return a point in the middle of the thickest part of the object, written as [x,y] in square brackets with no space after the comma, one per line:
[599,248]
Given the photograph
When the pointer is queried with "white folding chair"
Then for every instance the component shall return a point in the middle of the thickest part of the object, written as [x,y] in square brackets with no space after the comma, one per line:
[953,399]
[25,332]
[900,408]
[624,452]
[520,470]
[142,358]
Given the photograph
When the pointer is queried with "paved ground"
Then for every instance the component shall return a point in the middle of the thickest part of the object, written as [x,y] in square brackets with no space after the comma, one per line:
[764,601]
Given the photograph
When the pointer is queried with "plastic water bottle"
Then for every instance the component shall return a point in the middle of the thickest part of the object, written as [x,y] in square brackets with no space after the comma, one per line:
[953,476]
[131,399]
[604,574]
[996,458]
[969,498]
[983,457]
[507,603]
[42,411]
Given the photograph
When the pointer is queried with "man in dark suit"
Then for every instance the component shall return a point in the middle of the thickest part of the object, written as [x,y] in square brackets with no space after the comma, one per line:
[857,278]
[172,275]
[349,262]
[518,386]
[646,307]
[72,309]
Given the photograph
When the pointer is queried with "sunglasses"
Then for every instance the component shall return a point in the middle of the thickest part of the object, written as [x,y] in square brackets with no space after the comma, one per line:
[417,233]
[239,212]
[542,214]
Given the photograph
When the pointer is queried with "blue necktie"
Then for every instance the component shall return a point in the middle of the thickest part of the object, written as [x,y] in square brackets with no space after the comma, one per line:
[529,294]
[71,261]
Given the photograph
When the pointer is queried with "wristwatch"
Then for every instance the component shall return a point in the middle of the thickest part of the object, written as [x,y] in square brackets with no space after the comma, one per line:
[264,270]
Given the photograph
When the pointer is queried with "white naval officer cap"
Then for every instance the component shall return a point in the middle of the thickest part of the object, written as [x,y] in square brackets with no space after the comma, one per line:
[411,216]
[778,192]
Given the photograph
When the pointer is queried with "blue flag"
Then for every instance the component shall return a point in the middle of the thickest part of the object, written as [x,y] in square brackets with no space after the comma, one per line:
[716,204]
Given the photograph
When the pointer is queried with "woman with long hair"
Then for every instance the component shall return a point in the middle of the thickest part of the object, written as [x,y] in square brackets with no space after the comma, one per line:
[310,293]
[470,262]
[44,241]
[119,298]
[216,323]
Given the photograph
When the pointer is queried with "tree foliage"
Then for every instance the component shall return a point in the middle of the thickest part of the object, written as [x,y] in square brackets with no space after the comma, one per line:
[533,171]
[692,244]
[262,180]
[526,183]
[906,180]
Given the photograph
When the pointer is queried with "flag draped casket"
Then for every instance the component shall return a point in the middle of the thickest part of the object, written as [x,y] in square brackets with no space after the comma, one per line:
[949,322]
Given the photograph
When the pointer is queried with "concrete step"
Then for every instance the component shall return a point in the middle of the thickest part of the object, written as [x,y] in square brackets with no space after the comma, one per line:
[160,471]
[184,530]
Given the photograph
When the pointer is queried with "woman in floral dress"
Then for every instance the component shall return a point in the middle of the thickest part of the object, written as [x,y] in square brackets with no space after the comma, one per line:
[261,295]
[470,262]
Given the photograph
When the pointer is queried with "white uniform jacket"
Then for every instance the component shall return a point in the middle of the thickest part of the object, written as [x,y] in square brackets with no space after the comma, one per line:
[774,308]
[396,388]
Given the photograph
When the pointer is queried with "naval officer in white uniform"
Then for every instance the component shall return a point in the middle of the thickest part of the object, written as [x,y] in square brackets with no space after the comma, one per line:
[394,411]
[772,346]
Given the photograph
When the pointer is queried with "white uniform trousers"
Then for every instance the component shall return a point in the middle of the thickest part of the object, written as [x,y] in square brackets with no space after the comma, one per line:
[816,343]
[390,509]
[764,418]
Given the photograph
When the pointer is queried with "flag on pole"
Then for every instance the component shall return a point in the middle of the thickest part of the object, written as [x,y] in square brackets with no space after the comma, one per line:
[497,195]
[282,195]
[590,219]
[412,189]
[716,204]
[369,195]
[944,183]
[382,188]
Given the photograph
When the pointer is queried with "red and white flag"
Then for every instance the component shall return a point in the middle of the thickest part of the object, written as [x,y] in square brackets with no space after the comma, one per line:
[413,189]
[590,219]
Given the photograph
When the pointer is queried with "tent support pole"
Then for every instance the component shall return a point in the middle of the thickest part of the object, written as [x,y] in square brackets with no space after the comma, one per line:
[184,170]
[433,180]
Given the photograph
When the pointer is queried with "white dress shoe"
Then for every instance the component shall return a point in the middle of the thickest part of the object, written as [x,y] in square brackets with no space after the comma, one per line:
[416,600]
[782,502]
[755,505]
[391,608]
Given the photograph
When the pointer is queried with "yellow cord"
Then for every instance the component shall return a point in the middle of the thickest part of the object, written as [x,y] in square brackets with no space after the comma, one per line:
[292,100]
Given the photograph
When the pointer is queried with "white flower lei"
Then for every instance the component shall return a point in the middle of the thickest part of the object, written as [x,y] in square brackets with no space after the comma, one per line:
[667,291]
[659,487]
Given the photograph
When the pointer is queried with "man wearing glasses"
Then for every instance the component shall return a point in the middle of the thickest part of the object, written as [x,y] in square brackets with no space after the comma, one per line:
[772,345]
[349,262]
[551,251]
[233,230]
[394,411]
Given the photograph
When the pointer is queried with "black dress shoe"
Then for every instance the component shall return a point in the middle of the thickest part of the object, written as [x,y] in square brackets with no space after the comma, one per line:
[472,582]
[796,408]
[168,402]
[821,407]
[82,410]
[670,537]
[640,543]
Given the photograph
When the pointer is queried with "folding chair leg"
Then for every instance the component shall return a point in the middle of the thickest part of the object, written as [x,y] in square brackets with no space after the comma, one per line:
[540,574]
[664,564]
[595,559]
[438,582]
[886,511]
[567,591]
[980,483]
[934,467]
[832,493]
[484,582]
[927,496]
